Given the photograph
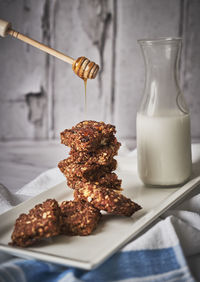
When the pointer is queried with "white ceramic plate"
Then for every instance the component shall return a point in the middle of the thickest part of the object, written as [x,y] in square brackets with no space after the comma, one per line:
[113,231]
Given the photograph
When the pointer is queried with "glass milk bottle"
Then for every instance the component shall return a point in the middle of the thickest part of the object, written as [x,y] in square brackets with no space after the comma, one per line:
[163,120]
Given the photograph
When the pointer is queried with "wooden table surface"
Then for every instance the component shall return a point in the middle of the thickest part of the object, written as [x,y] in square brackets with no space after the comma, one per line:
[21,162]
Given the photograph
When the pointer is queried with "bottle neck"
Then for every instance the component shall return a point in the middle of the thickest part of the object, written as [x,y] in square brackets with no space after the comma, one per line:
[161,63]
[161,84]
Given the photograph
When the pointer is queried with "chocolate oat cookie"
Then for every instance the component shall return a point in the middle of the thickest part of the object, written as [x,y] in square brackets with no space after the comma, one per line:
[43,221]
[106,199]
[78,218]
[72,170]
[88,135]
[109,180]
[101,156]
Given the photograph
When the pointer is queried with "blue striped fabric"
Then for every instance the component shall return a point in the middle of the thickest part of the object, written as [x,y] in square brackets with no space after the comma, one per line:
[167,264]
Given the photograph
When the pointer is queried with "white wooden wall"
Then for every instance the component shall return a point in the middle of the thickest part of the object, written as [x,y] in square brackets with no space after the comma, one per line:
[40,95]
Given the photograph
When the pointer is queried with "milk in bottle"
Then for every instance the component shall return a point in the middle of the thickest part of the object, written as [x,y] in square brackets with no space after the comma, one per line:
[163,121]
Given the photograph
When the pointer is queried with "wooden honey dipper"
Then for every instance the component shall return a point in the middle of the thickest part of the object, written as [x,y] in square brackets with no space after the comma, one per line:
[82,66]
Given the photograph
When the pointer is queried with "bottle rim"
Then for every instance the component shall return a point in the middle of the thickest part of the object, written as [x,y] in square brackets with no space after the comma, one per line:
[160,40]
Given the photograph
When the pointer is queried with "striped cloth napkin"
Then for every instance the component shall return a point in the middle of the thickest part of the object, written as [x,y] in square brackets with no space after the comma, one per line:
[168,251]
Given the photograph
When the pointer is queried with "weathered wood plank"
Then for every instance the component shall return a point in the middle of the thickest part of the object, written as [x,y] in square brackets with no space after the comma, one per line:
[191,61]
[22,71]
[40,95]
[135,20]
[82,28]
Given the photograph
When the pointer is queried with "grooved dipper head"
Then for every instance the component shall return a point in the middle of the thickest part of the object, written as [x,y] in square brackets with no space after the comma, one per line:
[84,68]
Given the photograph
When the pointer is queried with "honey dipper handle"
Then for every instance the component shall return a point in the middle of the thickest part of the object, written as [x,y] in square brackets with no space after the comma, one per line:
[82,67]
[4,26]
[40,46]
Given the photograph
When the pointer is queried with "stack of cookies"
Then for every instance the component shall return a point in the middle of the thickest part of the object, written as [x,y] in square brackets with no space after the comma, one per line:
[93,146]
[89,171]
[89,168]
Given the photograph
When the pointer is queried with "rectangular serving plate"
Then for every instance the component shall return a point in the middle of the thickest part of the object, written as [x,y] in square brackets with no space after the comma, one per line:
[112,233]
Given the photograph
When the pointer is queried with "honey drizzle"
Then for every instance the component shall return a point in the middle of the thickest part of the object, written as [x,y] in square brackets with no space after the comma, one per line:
[85,83]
